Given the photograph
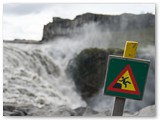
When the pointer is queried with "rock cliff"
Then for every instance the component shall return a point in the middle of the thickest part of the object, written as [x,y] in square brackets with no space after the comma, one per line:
[124,22]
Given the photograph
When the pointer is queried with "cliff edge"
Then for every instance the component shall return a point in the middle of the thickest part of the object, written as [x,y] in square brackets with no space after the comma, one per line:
[124,22]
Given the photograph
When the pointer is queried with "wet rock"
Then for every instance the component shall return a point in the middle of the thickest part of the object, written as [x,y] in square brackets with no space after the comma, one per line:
[15,110]
[149,111]
[60,111]
[89,112]
[48,111]
[30,110]
[88,70]
[80,111]
[19,113]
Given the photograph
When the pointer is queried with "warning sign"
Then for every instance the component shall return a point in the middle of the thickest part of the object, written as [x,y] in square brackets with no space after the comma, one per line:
[126,77]
[125,82]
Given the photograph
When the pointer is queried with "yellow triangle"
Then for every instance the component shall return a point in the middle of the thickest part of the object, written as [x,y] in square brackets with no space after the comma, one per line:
[127,84]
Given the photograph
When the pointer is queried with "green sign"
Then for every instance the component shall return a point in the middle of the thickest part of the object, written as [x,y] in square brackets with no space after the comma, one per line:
[126,77]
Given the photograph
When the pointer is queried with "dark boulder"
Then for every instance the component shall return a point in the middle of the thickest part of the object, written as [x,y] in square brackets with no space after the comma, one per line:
[88,70]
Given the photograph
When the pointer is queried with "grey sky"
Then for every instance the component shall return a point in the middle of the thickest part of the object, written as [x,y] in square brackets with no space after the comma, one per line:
[27,20]
[22,9]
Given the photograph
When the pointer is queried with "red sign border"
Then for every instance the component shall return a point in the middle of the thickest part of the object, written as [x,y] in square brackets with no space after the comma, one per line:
[110,87]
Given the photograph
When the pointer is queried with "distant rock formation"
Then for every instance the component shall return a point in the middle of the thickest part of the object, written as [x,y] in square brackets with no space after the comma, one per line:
[22,41]
[66,27]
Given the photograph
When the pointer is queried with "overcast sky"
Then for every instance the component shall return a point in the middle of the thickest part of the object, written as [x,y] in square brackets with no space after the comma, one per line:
[26,21]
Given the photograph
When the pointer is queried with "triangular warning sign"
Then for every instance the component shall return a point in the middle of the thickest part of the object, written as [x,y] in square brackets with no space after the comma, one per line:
[125,82]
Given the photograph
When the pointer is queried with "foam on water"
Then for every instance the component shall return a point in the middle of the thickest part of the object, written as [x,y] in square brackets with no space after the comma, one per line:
[32,77]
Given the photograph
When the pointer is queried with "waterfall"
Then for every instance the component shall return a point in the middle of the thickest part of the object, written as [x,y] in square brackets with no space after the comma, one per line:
[34,74]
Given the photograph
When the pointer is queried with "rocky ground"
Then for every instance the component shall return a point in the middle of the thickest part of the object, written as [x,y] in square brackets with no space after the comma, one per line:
[29,110]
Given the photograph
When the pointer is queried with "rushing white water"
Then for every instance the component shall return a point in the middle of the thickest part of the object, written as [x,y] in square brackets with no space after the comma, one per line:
[32,76]
[35,73]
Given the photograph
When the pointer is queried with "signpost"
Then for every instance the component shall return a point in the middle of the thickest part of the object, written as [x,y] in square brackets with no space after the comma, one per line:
[126,77]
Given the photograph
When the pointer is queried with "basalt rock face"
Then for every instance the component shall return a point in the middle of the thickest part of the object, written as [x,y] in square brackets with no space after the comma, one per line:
[65,27]
[88,70]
